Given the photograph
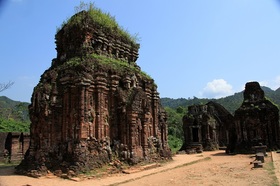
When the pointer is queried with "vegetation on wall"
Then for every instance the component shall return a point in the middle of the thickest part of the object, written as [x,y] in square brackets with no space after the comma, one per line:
[118,65]
[104,21]
[110,64]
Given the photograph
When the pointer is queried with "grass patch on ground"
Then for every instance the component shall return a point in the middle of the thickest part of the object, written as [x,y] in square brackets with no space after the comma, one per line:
[6,165]
[269,167]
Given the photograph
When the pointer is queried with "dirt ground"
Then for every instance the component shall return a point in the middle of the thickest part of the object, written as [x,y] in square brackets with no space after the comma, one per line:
[208,168]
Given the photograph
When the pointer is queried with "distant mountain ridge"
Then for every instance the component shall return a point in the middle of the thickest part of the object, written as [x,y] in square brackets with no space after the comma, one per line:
[16,110]
[19,110]
[231,103]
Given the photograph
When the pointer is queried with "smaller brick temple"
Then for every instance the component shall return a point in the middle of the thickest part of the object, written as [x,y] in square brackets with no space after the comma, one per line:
[206,127]
[13,146]
[256,122]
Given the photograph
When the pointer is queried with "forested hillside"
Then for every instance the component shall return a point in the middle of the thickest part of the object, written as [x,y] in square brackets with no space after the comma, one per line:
[231,103]
[13,115]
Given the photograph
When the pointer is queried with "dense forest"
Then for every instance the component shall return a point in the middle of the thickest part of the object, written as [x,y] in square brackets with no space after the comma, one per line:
[14,114]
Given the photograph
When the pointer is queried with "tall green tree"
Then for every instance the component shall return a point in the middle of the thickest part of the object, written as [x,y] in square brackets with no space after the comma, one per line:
[175,127]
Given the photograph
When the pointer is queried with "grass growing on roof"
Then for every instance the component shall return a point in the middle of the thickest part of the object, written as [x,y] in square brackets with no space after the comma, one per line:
[104,21]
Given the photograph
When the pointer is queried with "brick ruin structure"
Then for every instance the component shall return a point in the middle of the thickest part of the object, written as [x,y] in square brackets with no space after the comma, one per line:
[94,104]
[206,127]
[13,146]
[256,122]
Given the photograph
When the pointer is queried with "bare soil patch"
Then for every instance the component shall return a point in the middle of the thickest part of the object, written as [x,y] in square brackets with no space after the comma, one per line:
[208,168]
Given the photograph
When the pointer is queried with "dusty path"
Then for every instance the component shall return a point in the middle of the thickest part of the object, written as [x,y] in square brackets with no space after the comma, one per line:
[221,169]
[8,178]
[276,162]
[209,168]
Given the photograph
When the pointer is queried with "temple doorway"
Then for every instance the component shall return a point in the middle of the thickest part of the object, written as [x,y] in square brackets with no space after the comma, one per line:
[195,134]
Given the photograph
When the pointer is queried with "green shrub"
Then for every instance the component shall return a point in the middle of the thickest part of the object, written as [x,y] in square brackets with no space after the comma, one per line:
[174,143]
[10,125]
[73,62]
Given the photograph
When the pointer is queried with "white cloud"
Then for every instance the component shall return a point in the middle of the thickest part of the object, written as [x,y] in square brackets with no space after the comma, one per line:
[216,89]
[277,82]
[273,84]
[264,83]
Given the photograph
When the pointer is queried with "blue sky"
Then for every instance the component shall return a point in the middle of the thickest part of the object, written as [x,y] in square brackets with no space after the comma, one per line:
[191,48]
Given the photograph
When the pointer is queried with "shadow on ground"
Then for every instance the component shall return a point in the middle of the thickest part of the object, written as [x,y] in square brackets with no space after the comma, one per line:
[222,154]
[6,169]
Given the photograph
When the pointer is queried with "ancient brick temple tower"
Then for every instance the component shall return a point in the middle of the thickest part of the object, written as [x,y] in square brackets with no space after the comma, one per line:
[255,122]
[205,127]
[94,103]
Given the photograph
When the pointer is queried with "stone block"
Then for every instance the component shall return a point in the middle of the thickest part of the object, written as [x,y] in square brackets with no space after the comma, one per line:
[260,157]
[258,164]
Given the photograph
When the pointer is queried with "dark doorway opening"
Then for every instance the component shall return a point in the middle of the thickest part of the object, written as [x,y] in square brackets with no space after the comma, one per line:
[195,134]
